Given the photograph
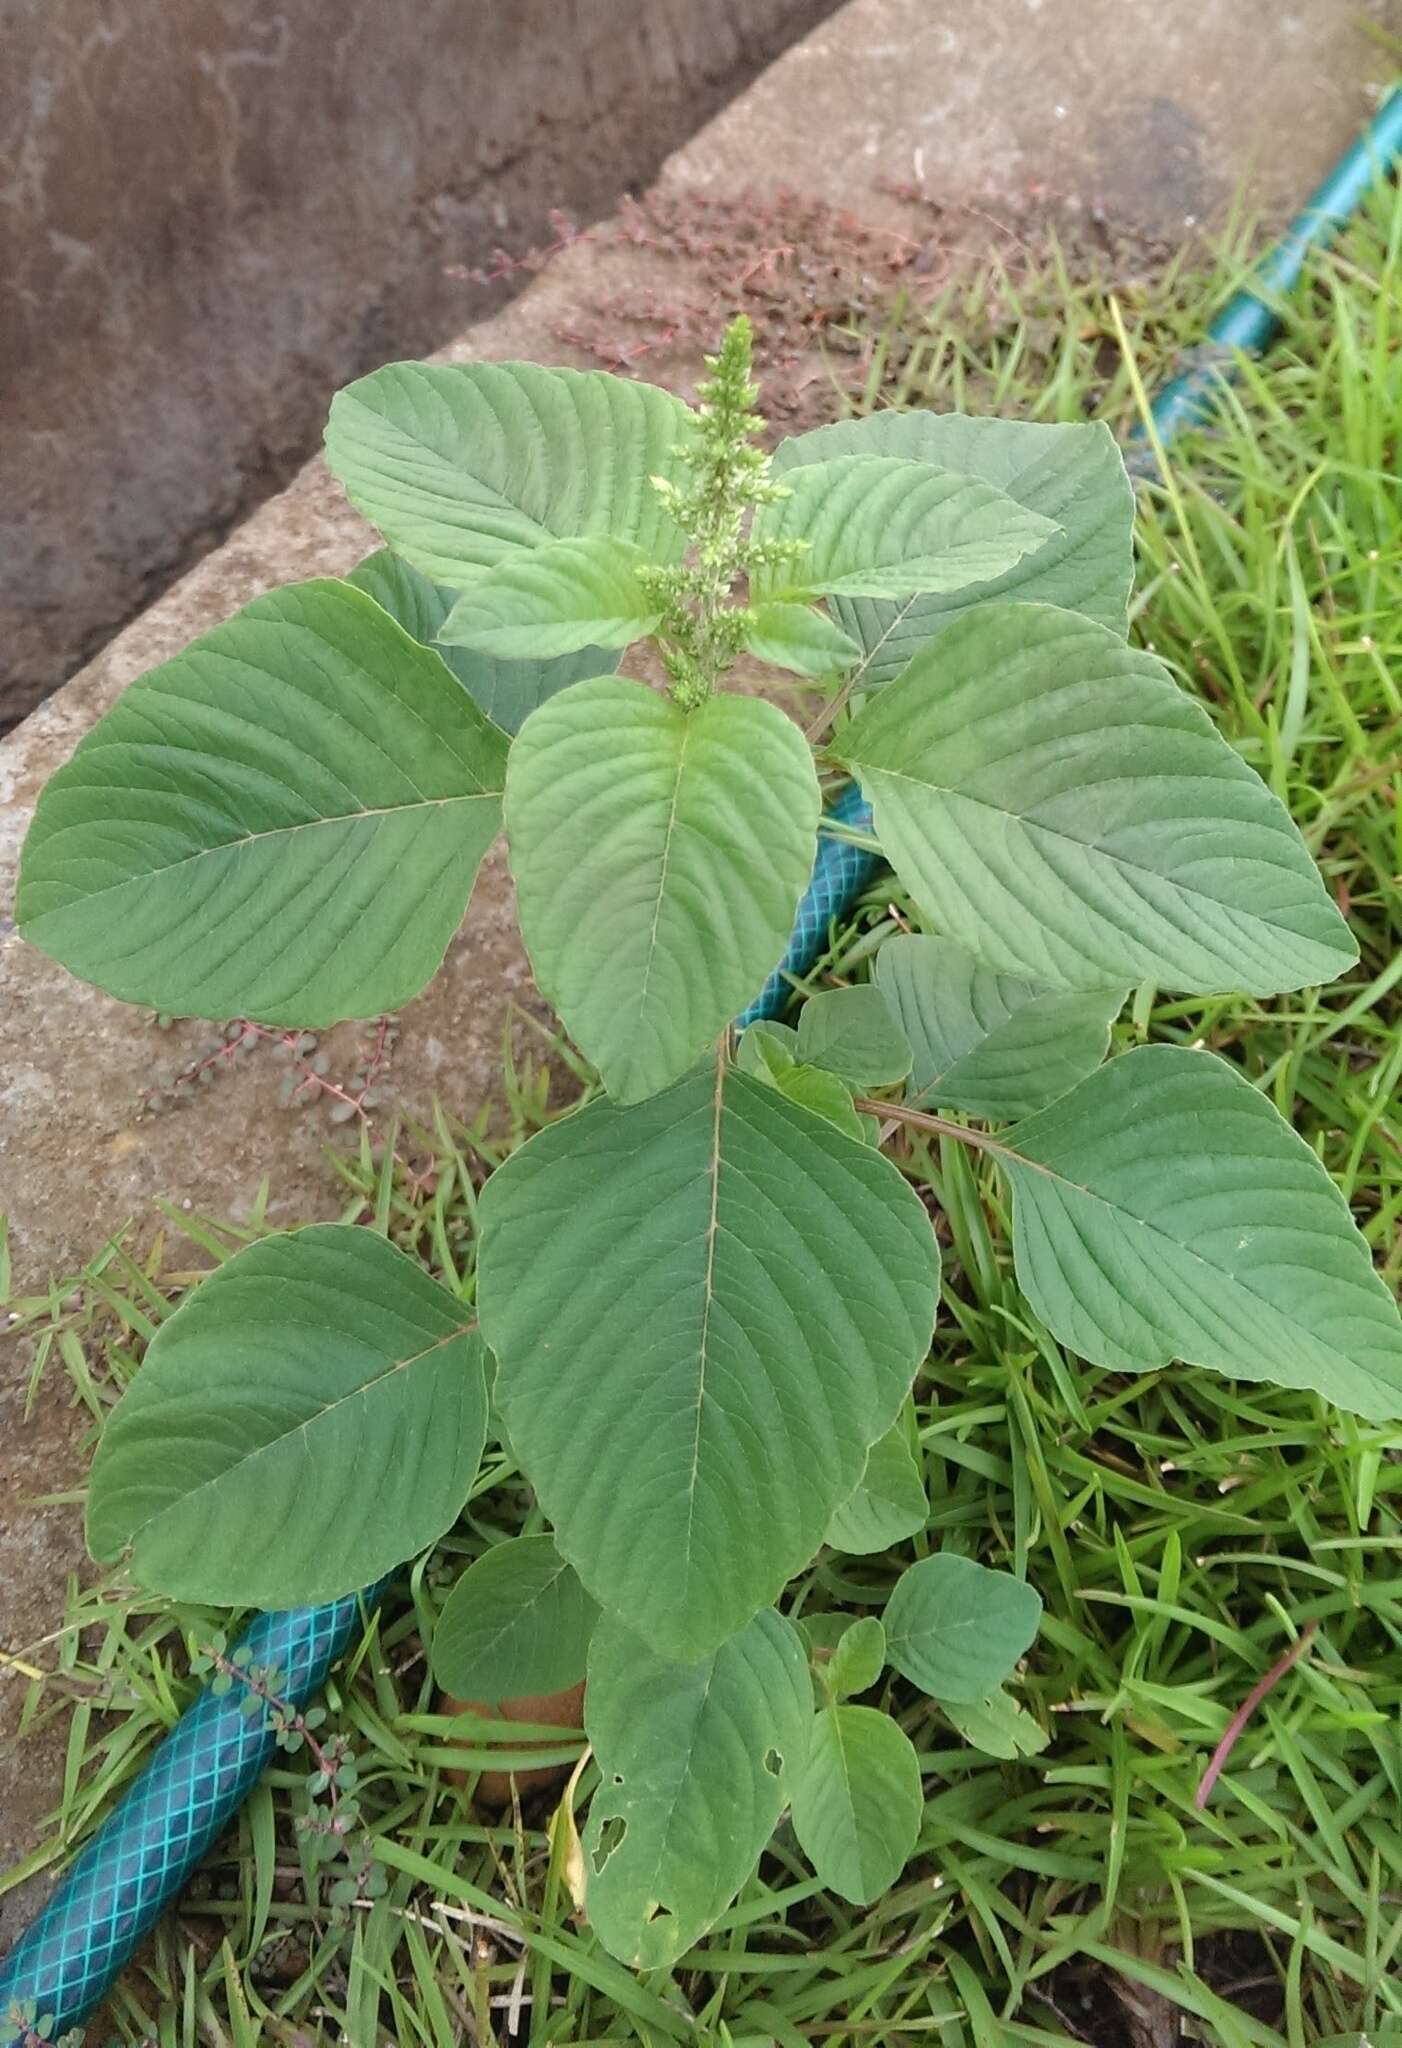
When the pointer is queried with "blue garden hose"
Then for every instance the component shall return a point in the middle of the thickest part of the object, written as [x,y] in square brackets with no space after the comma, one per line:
[143,1854]
[148,1847]
[1251,316]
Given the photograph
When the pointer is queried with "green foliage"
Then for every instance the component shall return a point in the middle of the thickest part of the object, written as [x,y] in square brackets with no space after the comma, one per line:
[997,1725]
[858,1657]
[542,603]
[1072,476]
[283,822]
[956,1629]
[796,637]
[518,1622]
[851,1033]
[703,1263]
[460,465]
[875,526]
[857,1801]
[317,1409]
[691,1759]
[986,1042]
[1056,804]
[888,1505]
[674,846]
[506,690]
[1136,1247]
[707,1296]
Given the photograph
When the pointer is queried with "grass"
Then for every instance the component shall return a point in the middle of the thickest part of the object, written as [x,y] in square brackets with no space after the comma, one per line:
[1184,1530]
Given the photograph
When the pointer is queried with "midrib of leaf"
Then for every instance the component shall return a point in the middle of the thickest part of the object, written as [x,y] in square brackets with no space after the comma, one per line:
[312,1421]
[494,1642]
[1035,825]
[717,1108]
[667,839]
[1187,1250]
[828,712]
[428,803]
[679,1780]
[849,1816]
[983,1141]
[902,614]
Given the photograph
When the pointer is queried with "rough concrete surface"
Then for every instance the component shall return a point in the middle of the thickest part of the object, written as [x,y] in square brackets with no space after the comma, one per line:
[212,213]
[898,89]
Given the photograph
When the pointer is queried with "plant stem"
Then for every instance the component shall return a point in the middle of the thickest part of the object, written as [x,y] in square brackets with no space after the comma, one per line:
[922,1120]
[1237,1724]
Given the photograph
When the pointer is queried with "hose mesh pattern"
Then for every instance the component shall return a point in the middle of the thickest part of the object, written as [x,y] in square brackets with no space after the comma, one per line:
[840,873]
[147,1848]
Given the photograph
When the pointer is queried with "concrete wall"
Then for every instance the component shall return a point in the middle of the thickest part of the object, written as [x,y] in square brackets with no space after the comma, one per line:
[212,212]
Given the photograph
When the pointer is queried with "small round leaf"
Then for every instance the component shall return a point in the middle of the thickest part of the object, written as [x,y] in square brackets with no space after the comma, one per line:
[956,1629]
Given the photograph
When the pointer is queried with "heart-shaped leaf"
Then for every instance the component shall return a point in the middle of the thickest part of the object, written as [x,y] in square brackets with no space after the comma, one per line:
[506,690]
[283,822]
[690,1757]
[857,1801]
[1073,475]
[706,1302]
[312,1414]
[459,464]
[659,856]
[985,1042]
[1060,807]
[517,1623]
[1165,1209]
[956,1629]
[552,601]
[878,526]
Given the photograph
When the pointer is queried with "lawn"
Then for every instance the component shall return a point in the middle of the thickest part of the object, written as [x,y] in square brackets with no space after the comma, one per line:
[1186,1532]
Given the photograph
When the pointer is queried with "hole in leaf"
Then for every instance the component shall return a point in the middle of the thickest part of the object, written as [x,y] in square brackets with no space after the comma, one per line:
[610,1835]
[773,1762]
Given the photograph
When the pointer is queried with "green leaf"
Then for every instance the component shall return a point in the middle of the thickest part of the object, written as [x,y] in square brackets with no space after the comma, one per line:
[857,1802]
[546,602]
[877,526]
[888,1505]
[704,1309]
[1058,805]
[826,1096]
[984,1042]
[1073,475]
[956,1629]
[460,464]
[852,1033]
[858,1658]
[517,1622]
[506,690]
[659,857]
[312,1414]
[283,822]
[1164,1209]
[764,1051]
[690,1757]
[797,638]
[996,1725]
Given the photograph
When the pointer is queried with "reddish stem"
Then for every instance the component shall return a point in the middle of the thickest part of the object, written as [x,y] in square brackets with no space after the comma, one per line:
[1243,1714]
